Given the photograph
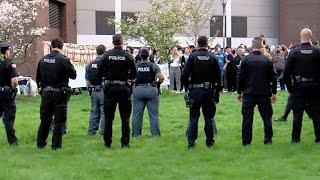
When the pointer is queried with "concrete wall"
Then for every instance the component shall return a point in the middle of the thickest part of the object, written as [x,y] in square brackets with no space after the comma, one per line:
[262,16]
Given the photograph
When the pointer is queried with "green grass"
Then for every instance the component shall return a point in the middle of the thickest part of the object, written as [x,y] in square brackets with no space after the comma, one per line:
[166,157]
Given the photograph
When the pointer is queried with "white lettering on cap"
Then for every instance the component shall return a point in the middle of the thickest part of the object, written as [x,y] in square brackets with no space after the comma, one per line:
[203,58]
[117,58]
[49,61]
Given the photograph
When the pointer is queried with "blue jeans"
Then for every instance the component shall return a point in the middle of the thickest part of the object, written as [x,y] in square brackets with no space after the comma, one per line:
[280,78]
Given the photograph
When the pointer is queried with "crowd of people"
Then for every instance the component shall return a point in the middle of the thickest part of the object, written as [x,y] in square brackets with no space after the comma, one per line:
[229,60]
[118,75]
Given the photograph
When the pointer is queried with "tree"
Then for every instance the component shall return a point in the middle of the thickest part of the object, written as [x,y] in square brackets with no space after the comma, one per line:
[198,16]
[17,25]
[156,26]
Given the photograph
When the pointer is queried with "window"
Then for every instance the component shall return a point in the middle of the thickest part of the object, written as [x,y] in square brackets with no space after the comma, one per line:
[55,13]
[101,23]
[239,26]
[102,28]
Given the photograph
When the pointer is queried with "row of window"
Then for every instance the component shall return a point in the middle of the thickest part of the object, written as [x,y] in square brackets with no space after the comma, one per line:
[239,24]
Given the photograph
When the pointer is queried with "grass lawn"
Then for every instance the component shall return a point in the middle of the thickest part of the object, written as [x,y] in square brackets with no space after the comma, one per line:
[166,157]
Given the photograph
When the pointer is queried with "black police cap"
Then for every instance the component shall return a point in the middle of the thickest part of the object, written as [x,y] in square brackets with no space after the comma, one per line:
[117,39]
[4,44]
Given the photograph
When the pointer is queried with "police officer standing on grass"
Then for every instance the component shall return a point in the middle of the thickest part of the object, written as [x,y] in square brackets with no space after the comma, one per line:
[203,73]
[257,85]
[302,78]
[146,93]
[94,84]
[53,73]
[8,84]
[117,68]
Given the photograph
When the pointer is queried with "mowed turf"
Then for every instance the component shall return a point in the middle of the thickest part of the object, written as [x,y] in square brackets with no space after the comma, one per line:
[166,157]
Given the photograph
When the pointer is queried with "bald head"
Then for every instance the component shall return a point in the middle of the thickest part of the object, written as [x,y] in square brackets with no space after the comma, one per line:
[306,35]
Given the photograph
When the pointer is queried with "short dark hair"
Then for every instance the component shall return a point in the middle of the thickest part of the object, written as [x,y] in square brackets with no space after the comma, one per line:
[192,47]
[4,49]
[117,39]
[144,53]
[130,49]
[202,41]
[57,43]
[257,43]
[100,49]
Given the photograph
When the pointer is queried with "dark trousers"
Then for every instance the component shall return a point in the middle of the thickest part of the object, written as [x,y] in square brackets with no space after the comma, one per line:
[288,107]
[201,98]
[8,113]
[280,78]
[265,109]
[309,102]
[231,81]
[114,95]
[53,108]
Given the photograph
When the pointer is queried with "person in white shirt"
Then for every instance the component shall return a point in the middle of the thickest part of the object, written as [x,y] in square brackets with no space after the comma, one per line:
[175,70]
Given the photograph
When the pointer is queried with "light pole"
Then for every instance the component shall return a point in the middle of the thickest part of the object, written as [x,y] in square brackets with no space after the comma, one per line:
[224,3]
[118,11]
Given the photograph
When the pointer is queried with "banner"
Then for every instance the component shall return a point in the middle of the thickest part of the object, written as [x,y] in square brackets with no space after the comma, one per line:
[80,55]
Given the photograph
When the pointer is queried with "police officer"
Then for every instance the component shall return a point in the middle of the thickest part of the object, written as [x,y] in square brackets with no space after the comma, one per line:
[8,84]
[146,93]
[257,82]
[203,72]
[53,73]
[94,84]
[302,77]
[117,67]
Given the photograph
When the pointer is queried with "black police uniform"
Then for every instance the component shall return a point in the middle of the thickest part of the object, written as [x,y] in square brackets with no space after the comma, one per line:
[7,97]
[53,73]
[117,66]
[257,81]
[203,69]
[302,77]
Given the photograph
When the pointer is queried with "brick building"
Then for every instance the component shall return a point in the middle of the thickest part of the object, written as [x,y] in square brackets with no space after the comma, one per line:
[60,17]
[295,15]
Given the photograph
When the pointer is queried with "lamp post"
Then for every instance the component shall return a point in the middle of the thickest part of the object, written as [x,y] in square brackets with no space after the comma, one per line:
[224,3]
[118,11]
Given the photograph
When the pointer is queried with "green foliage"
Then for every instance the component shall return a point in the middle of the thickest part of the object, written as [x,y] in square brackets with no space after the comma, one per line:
[166,157]
[156,26]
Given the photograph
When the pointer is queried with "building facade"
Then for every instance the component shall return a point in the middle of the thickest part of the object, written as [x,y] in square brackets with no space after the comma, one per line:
[84,22]
[295,15]
[245,20]
[60,18]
